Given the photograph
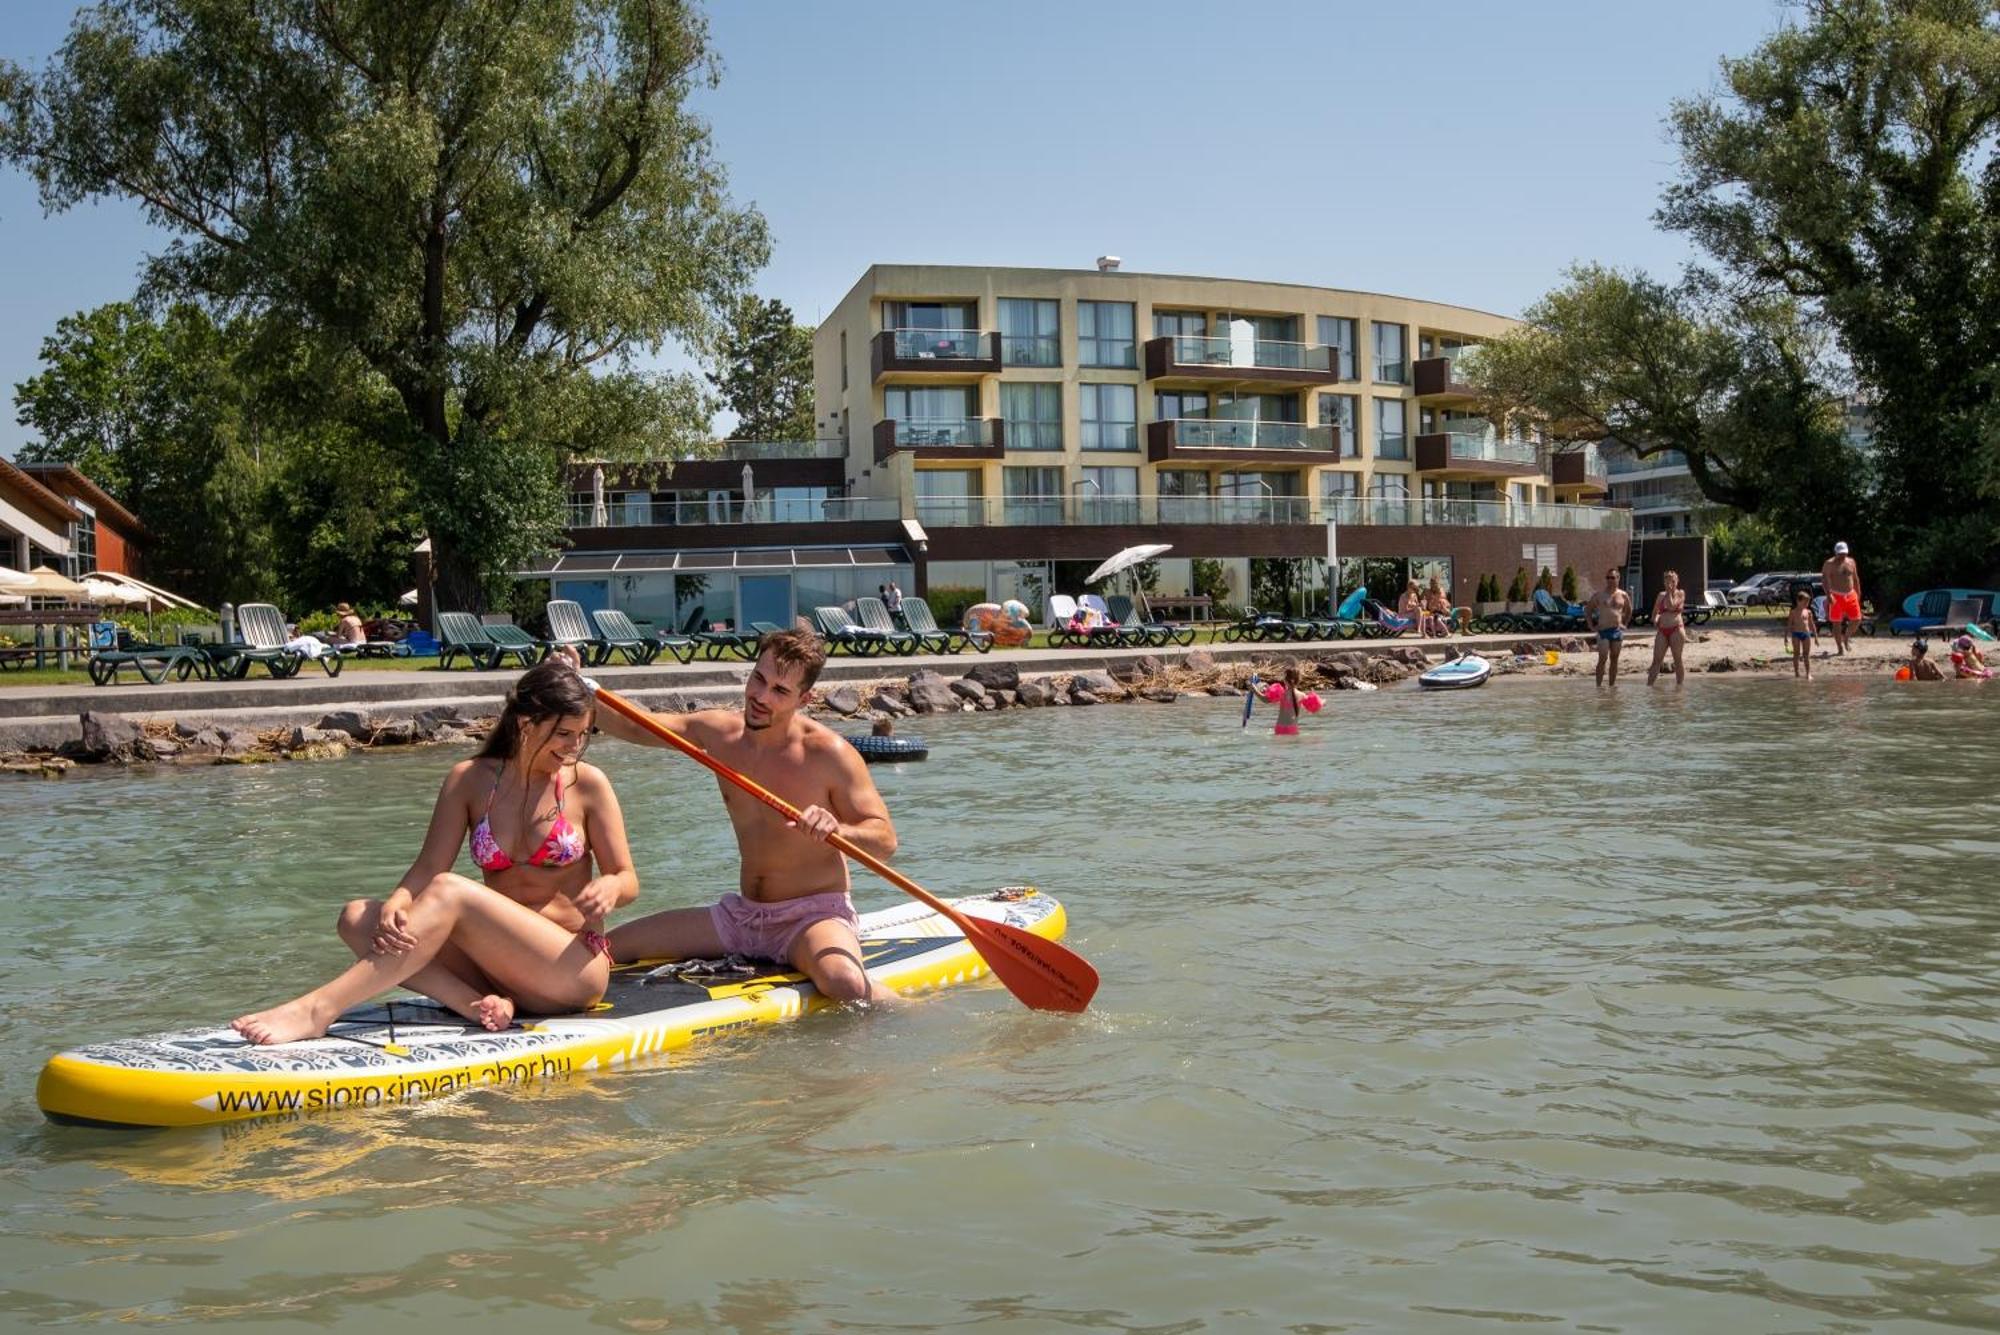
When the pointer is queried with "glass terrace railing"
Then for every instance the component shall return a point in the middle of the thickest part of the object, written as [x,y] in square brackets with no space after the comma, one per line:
[941,344]
[1366,511]
[1260,353]
[1490,448]
[763,510]
[946,431]
[1248,434]
[777,449]
[1622,462]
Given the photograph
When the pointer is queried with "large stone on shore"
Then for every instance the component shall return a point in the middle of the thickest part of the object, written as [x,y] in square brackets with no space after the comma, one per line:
[1001,696]
[890,701]
[1034,693]
[1129,670]
[970,689]
[1383,671]
[1723,664]
[238,741]
[400,732]
[1164,695]
[301,736]
[844,700]
[348,722]
[1199,660]
[995,676]
[930,693]
[112,737]
[1099,685]
[1077,697]
[1411,655]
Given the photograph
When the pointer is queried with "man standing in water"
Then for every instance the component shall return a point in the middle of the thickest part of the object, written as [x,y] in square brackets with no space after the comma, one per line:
[1843,594]
[1607,612]
[791,903]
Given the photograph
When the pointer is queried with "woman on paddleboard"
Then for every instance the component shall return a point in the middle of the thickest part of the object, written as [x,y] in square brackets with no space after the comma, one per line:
[532,936]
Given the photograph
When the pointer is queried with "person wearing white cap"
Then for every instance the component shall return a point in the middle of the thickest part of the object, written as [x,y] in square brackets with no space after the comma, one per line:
[1843,594]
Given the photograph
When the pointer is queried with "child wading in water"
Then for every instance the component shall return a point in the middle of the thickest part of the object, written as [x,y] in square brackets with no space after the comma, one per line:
[1802,628]
[1285,695]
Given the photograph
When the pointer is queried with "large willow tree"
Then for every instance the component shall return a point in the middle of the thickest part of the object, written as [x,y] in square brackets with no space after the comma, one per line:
[492,204]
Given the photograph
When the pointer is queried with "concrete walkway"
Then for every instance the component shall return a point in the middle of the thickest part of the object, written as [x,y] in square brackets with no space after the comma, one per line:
[33,716]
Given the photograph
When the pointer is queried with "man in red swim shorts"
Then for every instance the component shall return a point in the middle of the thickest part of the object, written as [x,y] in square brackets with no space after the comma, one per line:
[791,903]
[1843,594]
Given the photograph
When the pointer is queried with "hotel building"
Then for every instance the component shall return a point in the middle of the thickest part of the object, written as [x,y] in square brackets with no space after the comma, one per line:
[1001,430]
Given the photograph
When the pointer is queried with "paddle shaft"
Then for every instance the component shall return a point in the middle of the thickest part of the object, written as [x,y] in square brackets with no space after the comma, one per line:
[619,705]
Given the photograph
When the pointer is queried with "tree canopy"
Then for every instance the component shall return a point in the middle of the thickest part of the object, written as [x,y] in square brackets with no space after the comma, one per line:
[491,205]
[764,372]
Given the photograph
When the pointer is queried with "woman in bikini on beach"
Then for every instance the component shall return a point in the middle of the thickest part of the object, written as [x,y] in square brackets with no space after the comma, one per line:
[1670,631]
[530,938]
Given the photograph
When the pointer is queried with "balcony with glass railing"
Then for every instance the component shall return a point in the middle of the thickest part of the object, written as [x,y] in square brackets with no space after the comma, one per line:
[1620,462]
[1448,373]
[941,437]
[1474,452]
[1208,358]
[1249,438]
[1576,468]
[1365,511]
[733,510]
[921,352]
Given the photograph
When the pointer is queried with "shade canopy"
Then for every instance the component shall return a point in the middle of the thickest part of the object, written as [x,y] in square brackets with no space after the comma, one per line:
[107,594]
[1126,559]
[159,596]
[408,600]
[13,579]
[46,583]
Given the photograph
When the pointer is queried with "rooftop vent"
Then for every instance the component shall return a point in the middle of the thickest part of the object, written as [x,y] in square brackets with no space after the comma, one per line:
[1108,263]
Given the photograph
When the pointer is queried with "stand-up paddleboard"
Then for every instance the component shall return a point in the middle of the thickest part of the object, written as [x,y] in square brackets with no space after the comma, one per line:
[1458,675]
[888,750]
[408,1049]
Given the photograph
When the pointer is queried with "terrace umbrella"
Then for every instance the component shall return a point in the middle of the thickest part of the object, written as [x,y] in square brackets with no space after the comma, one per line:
[600,514]
[46,583]
[106,593]
[749,494]
[13,579]
[1125,560]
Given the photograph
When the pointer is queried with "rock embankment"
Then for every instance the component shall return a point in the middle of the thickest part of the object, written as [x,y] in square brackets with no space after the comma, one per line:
[985,686]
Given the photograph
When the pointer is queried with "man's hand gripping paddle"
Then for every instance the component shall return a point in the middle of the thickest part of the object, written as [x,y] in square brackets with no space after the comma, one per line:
[1042,973]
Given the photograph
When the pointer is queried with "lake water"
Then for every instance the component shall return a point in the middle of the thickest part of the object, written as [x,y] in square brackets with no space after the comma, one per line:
[1642,1011]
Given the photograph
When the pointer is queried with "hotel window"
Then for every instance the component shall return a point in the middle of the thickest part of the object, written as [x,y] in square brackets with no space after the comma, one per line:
[1171,404]
[933,414]
[843,360]
[1391,353]
[1190,324]
[1033,413]
[930,315]
[1337,333]
[1110,415]
[1259,407]
[1391,438]
[1184,497]
[1029,333]
[1339,412]
[1104,334]
[950,497]
[1031,495]
[1335,485]
[1111,496]
[83,539]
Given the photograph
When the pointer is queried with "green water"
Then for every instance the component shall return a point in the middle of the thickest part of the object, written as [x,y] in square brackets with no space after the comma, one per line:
[1651,1012]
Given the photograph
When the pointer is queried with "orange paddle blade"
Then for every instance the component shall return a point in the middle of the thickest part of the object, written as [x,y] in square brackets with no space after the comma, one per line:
[1040,973]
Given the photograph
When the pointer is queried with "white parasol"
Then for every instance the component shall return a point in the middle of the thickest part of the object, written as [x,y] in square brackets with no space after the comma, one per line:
[46,583]
[408,600]
[13,579]
[107,594]
[749,495]
[1125,560]
[600,515]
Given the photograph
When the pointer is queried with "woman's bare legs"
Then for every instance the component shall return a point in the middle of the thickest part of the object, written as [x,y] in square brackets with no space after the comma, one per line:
[540,963]
[450,979]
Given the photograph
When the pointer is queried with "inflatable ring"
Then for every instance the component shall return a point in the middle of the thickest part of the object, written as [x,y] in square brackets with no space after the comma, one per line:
[1007,622]
[887,750]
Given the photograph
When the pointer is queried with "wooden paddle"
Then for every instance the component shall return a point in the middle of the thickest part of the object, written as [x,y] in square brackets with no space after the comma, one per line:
[1042,973]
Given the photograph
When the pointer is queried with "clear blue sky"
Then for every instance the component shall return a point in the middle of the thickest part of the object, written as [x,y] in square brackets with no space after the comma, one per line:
[1459,151]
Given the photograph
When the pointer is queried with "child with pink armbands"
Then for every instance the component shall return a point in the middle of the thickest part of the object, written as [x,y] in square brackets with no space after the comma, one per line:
[1288,698]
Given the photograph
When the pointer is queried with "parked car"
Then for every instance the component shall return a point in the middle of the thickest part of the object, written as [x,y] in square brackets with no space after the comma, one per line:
[1767,589]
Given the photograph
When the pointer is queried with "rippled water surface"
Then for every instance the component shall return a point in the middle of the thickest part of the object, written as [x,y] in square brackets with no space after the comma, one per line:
[1656,1011]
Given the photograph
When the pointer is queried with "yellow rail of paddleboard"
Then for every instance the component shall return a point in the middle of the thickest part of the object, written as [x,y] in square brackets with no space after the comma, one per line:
[76,1088]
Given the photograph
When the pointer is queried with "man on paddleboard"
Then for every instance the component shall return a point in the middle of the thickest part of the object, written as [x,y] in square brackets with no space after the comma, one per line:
[791,902]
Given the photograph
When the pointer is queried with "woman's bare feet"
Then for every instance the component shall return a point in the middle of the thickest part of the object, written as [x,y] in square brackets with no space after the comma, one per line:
[300,1018]
[495,1012]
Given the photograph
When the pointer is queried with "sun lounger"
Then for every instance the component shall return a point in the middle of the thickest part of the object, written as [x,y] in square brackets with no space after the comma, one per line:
[716,643]
[839,631]
[922,621]
[1158,634]
[1252,625]
[512,640]
[1079,625]
[1961,616]
[620,636]
[461,635]
[262,628]
[874,614]
[569,628]
[154,662]
[1387,623]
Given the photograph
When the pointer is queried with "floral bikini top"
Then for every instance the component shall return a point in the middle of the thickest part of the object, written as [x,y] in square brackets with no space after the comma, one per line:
[562,846]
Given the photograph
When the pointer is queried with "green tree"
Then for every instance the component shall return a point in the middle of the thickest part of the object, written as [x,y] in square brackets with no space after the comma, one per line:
[1740,386]
[261,470]
[1847,164]
[764,371]
[493,204]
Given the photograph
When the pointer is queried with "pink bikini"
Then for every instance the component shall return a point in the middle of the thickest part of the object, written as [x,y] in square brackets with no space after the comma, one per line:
[562,846]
